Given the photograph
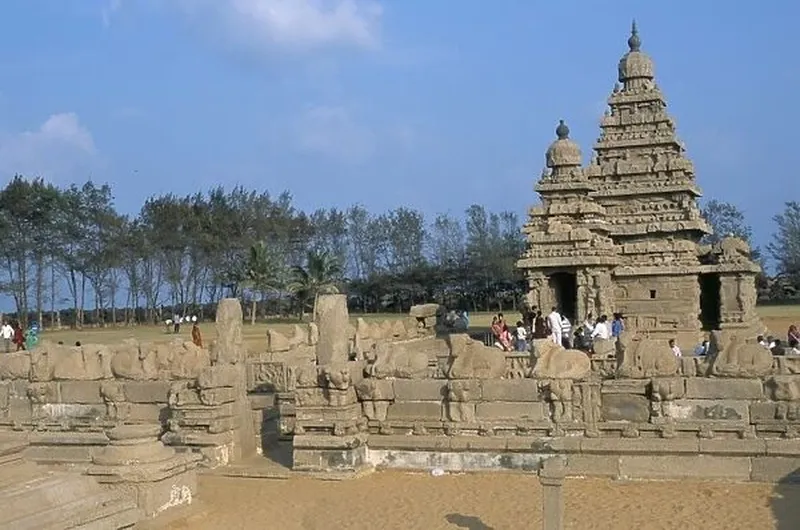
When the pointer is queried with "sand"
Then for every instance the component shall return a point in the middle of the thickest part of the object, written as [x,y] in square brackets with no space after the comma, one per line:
[395,500]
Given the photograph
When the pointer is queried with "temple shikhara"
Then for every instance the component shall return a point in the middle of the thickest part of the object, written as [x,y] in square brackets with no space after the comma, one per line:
[623,233]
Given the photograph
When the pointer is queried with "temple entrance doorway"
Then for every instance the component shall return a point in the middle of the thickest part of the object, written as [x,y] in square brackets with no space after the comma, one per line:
[710,312]
[565,291]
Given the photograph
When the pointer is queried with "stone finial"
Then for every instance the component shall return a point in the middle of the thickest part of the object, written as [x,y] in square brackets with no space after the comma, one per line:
[634,42]
[562,131]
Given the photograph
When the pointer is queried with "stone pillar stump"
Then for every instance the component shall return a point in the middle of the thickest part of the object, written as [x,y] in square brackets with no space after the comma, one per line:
[551,477]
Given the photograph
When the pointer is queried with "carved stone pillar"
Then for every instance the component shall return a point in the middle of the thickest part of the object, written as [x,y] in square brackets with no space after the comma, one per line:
[551,477]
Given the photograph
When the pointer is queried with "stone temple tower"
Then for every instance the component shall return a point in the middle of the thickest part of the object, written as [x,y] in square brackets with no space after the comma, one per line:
[624,233]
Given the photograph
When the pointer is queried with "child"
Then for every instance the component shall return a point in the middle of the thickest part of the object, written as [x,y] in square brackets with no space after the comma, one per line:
[522,336]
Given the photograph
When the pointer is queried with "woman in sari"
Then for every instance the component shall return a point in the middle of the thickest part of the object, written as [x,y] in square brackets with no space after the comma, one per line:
[497,332]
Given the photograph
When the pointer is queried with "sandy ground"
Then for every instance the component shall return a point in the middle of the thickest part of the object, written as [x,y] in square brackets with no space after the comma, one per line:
[395,500]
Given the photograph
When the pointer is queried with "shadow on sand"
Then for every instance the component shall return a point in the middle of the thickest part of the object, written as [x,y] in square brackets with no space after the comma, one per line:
[470,522]
[786,502]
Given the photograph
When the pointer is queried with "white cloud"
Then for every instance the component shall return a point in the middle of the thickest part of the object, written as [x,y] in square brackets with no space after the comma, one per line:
[293,24]
[333,132]
[59,147]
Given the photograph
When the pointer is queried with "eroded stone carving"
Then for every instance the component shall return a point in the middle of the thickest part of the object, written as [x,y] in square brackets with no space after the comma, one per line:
[555,362]
[470,359]
[731,356]
[641,358]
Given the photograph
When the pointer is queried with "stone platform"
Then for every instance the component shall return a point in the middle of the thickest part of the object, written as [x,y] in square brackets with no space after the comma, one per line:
[39,499]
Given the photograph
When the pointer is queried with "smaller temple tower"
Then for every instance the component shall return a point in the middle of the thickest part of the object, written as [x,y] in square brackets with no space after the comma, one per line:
[570,254]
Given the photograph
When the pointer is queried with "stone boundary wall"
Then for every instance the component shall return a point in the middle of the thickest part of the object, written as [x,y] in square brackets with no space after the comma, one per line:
[66,398]
[633,411]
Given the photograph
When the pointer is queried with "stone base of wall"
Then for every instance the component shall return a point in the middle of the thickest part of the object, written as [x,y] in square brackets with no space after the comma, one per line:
[329,453]
[738,460]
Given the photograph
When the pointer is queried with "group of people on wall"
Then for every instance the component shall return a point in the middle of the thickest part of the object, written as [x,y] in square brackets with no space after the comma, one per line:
[558,328]
[555,326]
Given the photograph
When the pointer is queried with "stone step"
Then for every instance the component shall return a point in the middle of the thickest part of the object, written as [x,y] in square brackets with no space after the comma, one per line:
[102,510]
[34,498]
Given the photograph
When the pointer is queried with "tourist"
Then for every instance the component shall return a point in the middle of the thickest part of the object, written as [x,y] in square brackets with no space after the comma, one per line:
[32,336]
[777,347]
[177,324]
[554,325]
[702,348]
[7,334]
[771,343]
[674,347]
[196,337]
[793,348]
[617,325]
[762,341]
[566,332]
[19,336]
[793,334]
[499,333]
[587,328]
[601,329]
[539,326]
[522,336]
[505,337]
[464,320]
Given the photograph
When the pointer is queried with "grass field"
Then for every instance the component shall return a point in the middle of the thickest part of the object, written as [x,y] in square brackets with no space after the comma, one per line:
[777,319]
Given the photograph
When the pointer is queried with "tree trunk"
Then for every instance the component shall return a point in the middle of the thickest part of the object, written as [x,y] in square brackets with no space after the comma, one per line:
[253,312]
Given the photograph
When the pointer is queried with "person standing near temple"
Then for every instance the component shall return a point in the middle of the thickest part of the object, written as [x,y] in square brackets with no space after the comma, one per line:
[554,324]
[7,334]
[617,325]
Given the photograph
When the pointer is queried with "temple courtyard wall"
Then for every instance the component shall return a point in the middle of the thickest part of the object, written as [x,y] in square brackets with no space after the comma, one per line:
[138,420]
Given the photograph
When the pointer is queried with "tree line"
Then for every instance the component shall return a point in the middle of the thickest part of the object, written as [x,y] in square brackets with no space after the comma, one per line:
[69,257]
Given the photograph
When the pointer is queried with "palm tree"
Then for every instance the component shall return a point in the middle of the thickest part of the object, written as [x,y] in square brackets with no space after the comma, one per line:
[319,276]
[260,274]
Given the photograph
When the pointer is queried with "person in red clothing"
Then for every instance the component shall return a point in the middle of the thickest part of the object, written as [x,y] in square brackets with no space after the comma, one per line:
[19,337]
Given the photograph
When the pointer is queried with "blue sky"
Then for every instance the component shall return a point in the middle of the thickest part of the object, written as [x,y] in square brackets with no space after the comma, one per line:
[431,104]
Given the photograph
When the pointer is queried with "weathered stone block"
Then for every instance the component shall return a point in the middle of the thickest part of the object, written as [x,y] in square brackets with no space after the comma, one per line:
[712,410]
[592,466]
[19,409]
[80,392]
[5,392]
[419,390]
[685,466]
[147,413]
[219,375]
[625,407]
[625,386]
[147,391]
[217,396]
[711,388]
[510,390]
[775,469]
[497,410]
[423,410]
[763,411]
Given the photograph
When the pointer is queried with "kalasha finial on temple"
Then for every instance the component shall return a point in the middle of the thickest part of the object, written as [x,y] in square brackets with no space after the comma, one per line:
[634,42]
[562,131]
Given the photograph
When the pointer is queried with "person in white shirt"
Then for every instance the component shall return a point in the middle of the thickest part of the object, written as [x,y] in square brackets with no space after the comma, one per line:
[674,347]
[762,341]
[522,337]
[554,323]
[601,329]
[7,334]
[566,332]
